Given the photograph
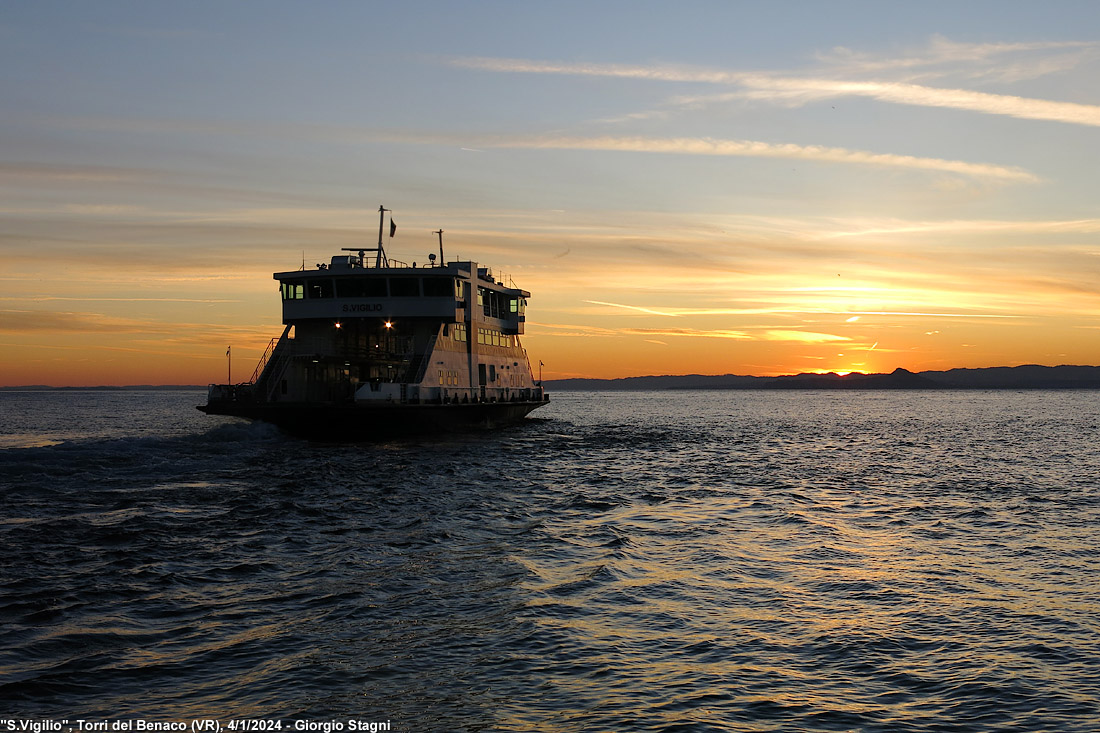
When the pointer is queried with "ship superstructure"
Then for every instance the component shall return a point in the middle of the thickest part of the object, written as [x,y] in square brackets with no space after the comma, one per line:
[374,346]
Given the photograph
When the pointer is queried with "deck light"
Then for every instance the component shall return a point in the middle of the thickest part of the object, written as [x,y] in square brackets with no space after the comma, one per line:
[388,324]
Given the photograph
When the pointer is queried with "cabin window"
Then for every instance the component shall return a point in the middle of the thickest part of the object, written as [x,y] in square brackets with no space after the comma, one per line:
[438,287]
[293,291]
[361,287]
[319,288]
[490,337]
[404,287]
[460,289]
[492,372]
[458,331]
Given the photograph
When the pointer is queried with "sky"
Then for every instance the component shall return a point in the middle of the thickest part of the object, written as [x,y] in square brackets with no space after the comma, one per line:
[693,188]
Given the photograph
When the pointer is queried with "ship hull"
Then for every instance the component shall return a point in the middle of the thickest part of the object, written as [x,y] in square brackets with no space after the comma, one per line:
[376,421]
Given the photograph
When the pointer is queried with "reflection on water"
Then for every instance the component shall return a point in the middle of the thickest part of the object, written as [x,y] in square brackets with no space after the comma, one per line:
[654,561]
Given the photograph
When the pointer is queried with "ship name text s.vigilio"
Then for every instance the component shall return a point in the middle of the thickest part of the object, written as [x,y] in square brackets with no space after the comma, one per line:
[373,347]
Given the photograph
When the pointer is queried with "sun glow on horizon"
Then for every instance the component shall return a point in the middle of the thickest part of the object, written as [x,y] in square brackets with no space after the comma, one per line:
[757,215]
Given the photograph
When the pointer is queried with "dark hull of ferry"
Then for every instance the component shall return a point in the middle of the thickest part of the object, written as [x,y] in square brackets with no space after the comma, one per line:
[376,421]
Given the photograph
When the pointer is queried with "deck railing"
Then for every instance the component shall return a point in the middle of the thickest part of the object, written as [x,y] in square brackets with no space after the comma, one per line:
[263,361]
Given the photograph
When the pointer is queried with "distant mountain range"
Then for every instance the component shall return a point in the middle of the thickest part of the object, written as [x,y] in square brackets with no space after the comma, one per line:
[1030,376]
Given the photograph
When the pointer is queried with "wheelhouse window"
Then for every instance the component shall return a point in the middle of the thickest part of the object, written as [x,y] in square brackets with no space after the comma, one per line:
[489,300]
[319,288]
[404,287]
[292,291]
[361,287]
[438,287]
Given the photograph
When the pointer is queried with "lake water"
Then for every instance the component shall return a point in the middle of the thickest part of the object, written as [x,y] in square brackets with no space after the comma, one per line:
[672,561]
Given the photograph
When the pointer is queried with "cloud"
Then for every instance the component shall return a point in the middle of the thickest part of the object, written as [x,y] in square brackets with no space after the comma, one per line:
[800,91]
[786,89]
[573,330]
[52,322]
[752,148]
[806,337]
[852,315]
[719,333]
[977,226]
[21,172]
[929,315]
[632,307]
[767,334]
[44,298]
[923,96]
[718,147]
[776,90]
[942,56]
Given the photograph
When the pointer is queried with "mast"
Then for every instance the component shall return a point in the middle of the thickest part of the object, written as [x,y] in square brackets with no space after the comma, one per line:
[380,259]
[441,260]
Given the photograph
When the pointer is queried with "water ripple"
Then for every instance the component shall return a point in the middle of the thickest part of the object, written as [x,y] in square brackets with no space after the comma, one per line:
[651,562]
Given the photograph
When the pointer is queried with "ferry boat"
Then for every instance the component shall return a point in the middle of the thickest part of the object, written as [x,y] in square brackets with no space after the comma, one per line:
[373,347]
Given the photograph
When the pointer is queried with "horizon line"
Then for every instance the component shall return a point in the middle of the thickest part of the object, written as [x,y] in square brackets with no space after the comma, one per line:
[182,387]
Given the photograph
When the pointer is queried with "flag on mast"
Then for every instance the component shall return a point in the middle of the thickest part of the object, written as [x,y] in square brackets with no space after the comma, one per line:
[393,228]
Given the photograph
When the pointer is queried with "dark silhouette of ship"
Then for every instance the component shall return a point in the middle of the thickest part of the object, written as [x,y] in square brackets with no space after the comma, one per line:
[373,347]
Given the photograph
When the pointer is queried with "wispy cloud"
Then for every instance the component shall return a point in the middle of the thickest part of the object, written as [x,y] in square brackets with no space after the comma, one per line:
[1004,61]
[749,334]
[787,89]
[65,322]
[777,90]
[718,333]
[50,323]
[640,309]
[752,148]
[22,173]
[806,337]
[46,298]
[794,310]
[574,330]
[725,147]
[976,226]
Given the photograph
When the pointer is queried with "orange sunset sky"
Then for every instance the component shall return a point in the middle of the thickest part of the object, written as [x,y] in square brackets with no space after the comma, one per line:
[748,188]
